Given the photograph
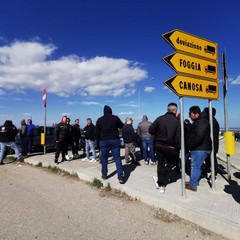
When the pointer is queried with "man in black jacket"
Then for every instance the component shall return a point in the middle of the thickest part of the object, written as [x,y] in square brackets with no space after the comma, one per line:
[107,128]
[129,138]
[60,136]
[90,137]
[216,129]
[76,136]
[167,135]
[199,143]
[8,133]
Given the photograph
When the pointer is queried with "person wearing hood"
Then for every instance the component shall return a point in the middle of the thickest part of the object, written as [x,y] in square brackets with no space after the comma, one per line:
[8,133]
[147,140]
[200,145]
[23,136]
[107,131]
[216,129]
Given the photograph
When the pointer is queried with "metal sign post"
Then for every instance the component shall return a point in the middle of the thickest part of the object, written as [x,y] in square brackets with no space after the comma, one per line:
[182,148]
[212,152]
[44,100]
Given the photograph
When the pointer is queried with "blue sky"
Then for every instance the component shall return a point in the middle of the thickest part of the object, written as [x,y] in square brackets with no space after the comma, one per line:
[92,53]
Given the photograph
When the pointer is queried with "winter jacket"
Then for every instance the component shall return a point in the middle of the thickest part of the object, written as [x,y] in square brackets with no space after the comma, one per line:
[76,132]
[70,133]
[23,131]
[60,133]
[8,132]
[142,129]
[166,130]
[199,135]
[30,128]
[128,134]
[90,132]
[216,129]
[107,126]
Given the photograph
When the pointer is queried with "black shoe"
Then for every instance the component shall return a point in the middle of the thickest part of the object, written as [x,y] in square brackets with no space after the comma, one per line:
[121,180]
[56,161]
[136,163]
[2,163]
[104,177]
[64,159]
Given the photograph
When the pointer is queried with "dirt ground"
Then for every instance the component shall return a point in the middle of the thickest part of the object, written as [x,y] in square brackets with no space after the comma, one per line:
[37,204]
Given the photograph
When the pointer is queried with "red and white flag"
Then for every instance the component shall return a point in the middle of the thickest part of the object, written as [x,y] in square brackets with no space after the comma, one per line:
[44,97]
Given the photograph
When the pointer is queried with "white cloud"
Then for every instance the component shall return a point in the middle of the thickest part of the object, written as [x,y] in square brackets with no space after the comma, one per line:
[149,89]
[127,105]
[235,81]
[27,65]
[125,113]
[90,103]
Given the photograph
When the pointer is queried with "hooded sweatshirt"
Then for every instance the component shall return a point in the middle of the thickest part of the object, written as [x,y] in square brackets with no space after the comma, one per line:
[107,126]
[142,129]
[8,132]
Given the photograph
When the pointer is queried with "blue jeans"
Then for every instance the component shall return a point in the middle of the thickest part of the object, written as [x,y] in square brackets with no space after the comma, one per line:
[198,158]
[90,144]
[114,147]
[148,143]
[13,146]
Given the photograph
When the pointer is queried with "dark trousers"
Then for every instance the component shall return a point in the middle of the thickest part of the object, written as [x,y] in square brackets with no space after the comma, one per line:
[76,146]
[61,146]
[167,158]
[208,164]
[30,143]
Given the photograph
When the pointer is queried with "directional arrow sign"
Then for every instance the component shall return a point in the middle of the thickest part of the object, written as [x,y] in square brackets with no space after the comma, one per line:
[192,87]
[189,43]
[186,64]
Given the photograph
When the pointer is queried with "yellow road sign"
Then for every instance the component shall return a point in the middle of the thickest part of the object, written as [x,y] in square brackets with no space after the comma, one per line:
[189,43]
[187,64]
[193,87]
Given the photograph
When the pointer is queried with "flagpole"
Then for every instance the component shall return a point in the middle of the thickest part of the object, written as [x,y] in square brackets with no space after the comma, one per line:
[225,81]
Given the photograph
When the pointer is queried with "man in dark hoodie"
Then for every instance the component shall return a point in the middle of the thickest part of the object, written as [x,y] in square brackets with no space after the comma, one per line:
[167,133]
[216,130]
[8,133]
[107,130]
[147,140]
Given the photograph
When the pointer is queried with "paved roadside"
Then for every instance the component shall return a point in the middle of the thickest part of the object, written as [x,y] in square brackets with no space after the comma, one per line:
[218,210]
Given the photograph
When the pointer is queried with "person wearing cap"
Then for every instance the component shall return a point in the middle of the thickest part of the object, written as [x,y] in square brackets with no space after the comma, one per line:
[167,135]
[107,130]
[8,132]
[23,136]
[129,138]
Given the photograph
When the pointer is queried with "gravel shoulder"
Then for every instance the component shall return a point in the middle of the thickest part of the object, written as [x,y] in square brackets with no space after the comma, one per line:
[36,204]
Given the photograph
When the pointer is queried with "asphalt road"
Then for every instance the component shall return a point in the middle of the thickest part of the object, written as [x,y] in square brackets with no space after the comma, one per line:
[35,204]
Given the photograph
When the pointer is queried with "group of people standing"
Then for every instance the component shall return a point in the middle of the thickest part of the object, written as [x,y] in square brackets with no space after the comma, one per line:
[160,142]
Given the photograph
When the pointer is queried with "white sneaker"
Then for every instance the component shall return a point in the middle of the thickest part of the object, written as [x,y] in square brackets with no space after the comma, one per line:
[152,163]
[85,159]
[162,189]
[146,162]
[93,160]
[67,157]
